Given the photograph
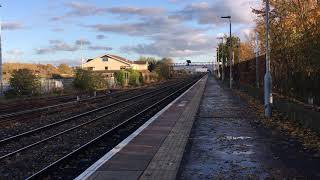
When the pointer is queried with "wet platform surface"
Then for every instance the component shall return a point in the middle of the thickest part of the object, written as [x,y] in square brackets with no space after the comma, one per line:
[155,152]
[225,144]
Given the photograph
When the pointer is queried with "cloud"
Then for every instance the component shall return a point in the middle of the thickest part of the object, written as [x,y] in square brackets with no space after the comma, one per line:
[169,37]
[100,36]
[58,29]
[58,45]
[205,13]
[146,27]
[130,10]
[15,52]
[97,48]
[175,46]
[12,26]
[78,9]
[179,33]
[55,46]
[82,42]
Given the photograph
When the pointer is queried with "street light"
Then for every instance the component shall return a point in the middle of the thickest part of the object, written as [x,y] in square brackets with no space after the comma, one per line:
[230,50]
[267,77]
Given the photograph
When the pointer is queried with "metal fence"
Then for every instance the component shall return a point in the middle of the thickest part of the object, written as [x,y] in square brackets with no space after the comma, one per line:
[298,84]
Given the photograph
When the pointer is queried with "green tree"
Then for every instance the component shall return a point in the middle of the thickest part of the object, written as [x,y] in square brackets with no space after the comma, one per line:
[134,77]
[23,82]
[163,68]
[88,81]
[120,77]
[152,62]
[224,48]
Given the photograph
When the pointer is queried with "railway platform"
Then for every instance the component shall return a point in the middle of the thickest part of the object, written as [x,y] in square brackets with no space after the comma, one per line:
[155,150]
[206,133]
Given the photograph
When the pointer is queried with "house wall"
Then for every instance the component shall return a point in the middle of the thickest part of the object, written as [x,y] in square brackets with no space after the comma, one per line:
[99,65]
[140,67]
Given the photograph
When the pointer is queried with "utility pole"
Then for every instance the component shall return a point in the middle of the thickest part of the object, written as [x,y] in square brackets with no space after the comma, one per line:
[231,59]
[267,78]
[230,51]
[257,60]
[81,49]
[239,52]
[218,59]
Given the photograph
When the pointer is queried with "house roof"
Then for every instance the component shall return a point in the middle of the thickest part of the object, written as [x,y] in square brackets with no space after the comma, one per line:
[118,58]
[139,62]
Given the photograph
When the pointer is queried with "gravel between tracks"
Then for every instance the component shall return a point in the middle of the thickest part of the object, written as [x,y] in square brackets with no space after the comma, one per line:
[34,159]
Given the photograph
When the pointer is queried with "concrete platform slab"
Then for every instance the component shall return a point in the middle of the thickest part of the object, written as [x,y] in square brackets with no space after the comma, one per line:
[154,151]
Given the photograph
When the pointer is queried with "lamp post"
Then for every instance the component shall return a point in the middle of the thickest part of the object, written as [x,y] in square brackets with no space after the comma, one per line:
[267,77]
[218,72]
[230,50]
[222,68]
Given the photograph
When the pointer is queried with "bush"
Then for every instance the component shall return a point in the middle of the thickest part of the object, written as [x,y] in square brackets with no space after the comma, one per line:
[88,81]
[163,68]
[23,82]
[134,77]
[120,77]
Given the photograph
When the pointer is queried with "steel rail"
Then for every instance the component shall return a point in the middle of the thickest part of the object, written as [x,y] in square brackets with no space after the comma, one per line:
[54,106]
[6,140]
[48,107]
[41,172]
[83,124]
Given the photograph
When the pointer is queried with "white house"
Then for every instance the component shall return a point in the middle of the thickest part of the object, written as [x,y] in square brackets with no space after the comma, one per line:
[109,62]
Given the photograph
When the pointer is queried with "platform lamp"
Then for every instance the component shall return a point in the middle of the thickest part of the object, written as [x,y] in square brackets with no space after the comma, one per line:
[267,78]
[230,50]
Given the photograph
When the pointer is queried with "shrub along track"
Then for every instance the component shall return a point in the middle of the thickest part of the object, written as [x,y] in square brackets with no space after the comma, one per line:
[44,147]
[27,104]
[18,123]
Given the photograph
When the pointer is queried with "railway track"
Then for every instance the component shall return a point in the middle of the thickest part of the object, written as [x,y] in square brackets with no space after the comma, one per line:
[35,153]
[20,107]
[30,121]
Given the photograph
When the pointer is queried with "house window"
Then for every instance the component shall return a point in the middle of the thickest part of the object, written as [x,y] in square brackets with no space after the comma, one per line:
[105,59]
[106,68]
[90,68]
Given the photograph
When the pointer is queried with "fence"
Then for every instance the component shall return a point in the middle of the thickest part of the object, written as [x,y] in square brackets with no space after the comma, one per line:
[300,84]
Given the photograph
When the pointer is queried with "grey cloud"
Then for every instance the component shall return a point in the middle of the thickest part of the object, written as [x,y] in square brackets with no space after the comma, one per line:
[55,46]
[97,48]
[78,9]
[205,13]
[170,37]
[146,27]
[82,42]
[58,29]
[100,36]
[12,26]
[175,46]
[136,11]
[15,52]
[58,45]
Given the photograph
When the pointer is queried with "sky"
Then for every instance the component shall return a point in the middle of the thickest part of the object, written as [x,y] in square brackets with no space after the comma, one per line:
[63,31]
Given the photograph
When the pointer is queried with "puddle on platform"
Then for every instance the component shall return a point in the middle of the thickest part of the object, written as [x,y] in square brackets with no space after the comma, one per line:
[242,152]
[238,137]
